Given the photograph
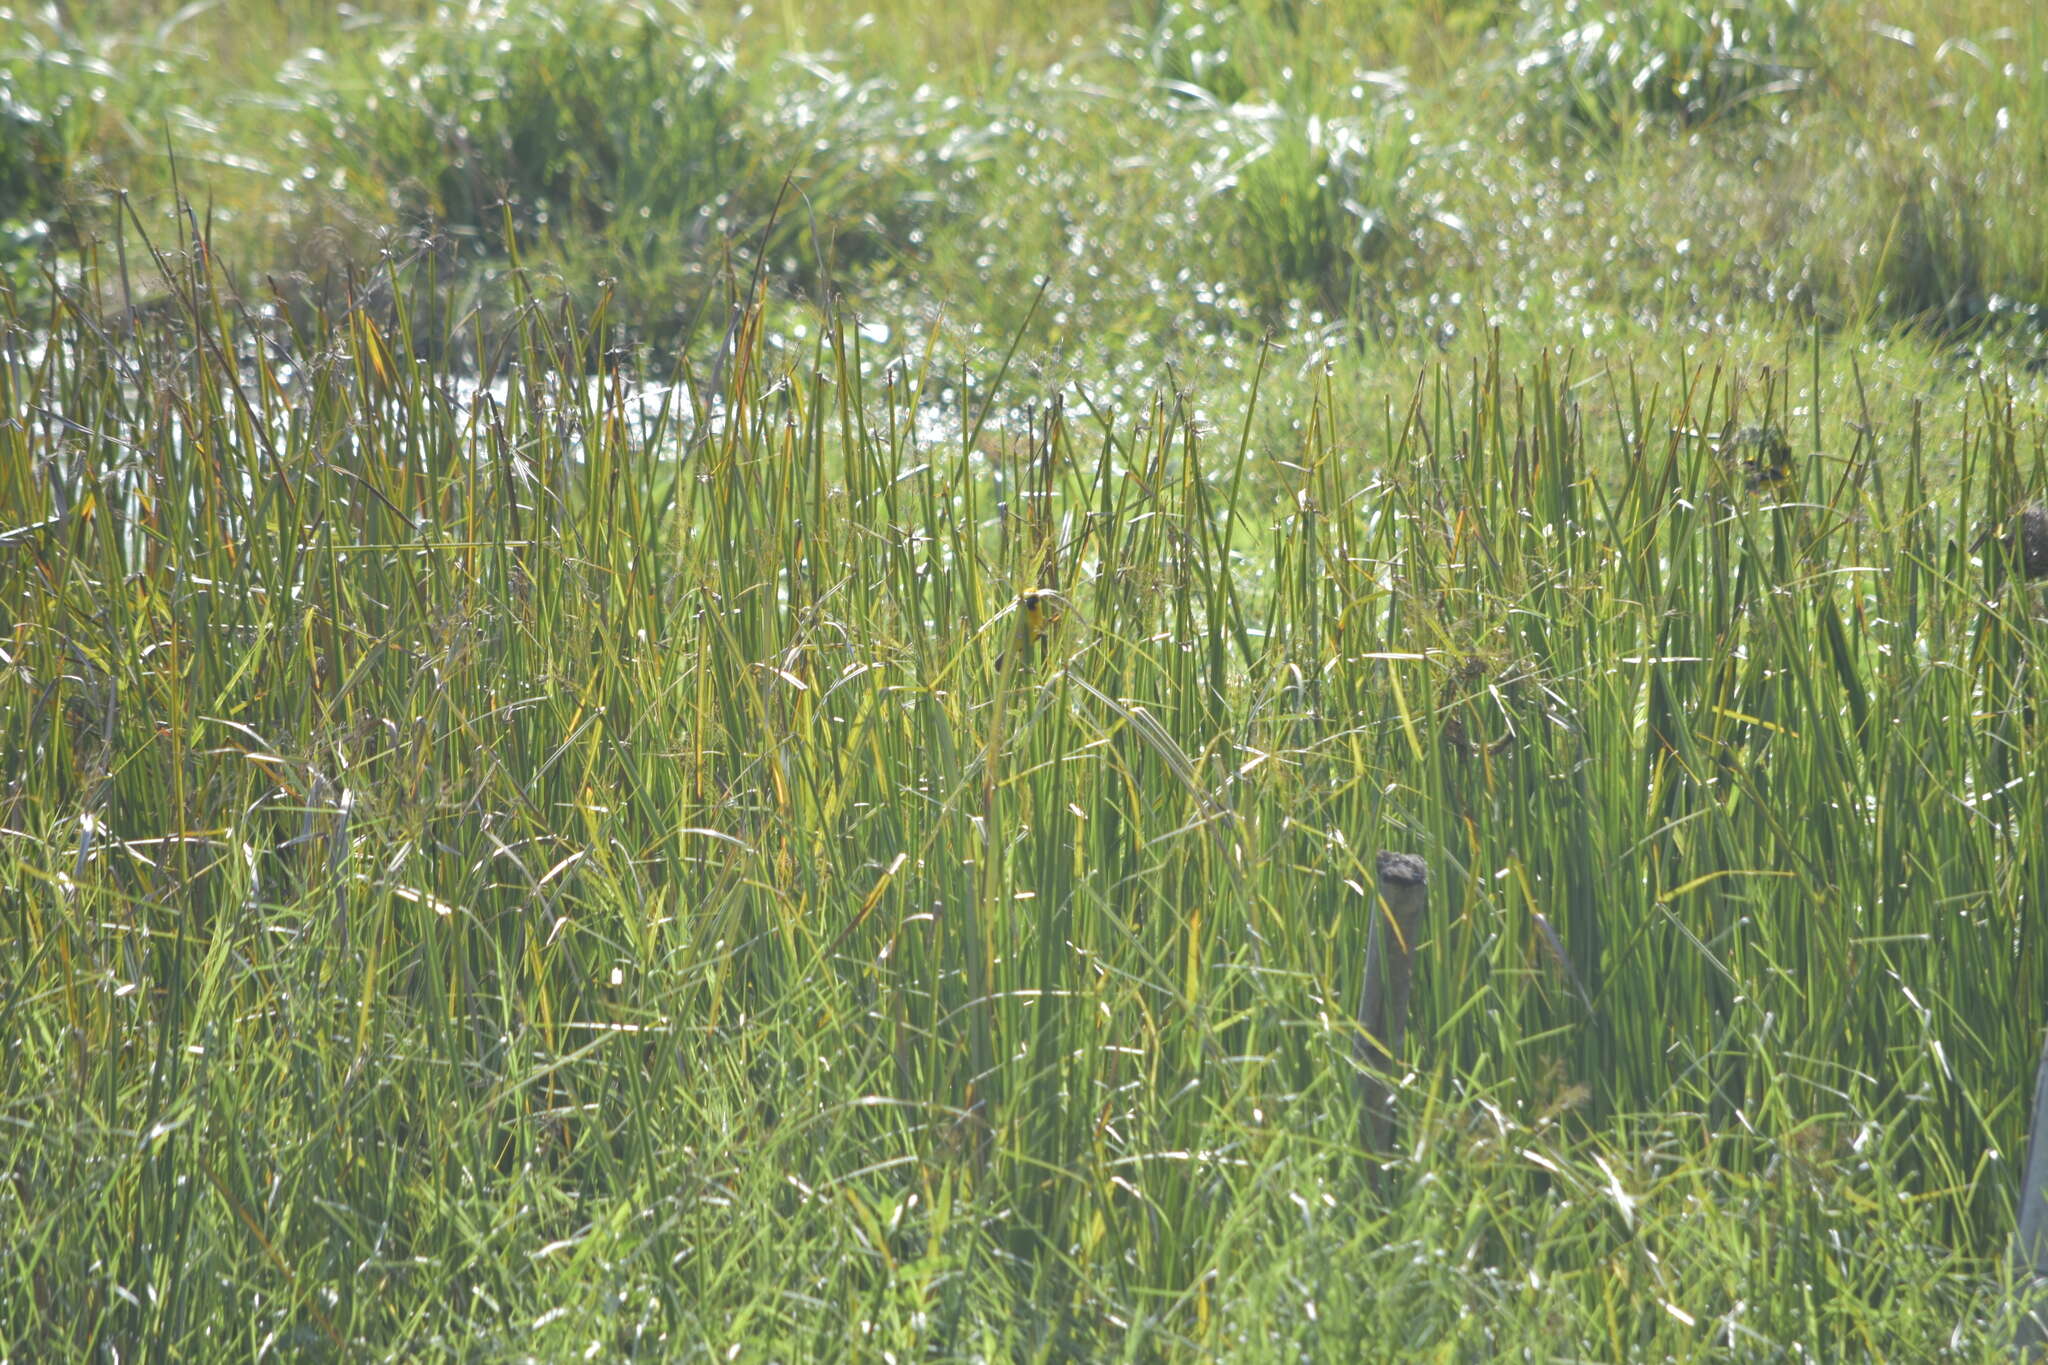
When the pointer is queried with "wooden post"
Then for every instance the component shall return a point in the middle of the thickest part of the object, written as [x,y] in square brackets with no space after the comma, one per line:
[2030,1248]
[1383,1000]
[2031,538]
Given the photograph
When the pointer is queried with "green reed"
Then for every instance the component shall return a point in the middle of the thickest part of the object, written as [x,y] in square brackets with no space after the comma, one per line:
[539,858]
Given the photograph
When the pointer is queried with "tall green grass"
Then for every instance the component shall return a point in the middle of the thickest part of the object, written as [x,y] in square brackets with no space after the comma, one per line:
[516,862]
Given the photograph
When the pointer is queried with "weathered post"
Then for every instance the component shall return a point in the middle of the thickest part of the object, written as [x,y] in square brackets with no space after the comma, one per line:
[1383,999]
[2024,536]
[2031,539]
[2030,1248]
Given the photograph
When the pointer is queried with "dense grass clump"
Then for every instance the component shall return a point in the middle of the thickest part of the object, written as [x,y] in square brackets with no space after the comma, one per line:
[519,863]
[1615,73]
[1318,201]
[573,117]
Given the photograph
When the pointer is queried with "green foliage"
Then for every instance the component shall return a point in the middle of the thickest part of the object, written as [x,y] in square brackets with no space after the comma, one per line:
[31,166]
[507,863]
[655,786]
[1270,160]
[1943,199]
[1189,46]
[1615,72]
[568,118]
[49,87]
[614,140]
[1314,202]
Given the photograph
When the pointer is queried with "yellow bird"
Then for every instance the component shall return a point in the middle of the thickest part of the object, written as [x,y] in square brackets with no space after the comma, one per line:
[1767,456]
[1041,610]
[1038,611]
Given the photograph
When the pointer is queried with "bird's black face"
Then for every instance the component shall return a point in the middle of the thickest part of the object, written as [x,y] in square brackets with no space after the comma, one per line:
[1041,609]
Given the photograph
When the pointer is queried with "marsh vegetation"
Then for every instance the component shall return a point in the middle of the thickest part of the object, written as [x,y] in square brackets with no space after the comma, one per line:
[705,683]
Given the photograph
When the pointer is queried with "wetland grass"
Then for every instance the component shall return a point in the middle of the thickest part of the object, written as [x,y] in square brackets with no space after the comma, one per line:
[716,682]
[520,864]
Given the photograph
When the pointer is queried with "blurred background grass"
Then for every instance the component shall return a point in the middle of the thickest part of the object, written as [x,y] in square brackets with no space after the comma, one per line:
[1367,182]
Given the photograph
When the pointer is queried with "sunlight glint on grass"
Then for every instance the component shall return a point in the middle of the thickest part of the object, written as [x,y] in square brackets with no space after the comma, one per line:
[494,864]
